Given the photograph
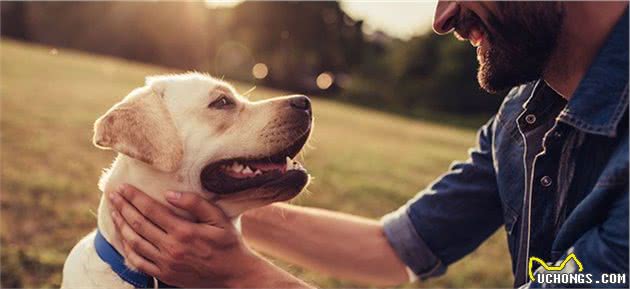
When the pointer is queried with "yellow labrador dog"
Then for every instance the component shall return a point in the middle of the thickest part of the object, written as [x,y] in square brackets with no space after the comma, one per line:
[193,133]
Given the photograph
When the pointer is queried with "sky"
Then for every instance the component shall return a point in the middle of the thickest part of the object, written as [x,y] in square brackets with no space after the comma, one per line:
[402,19]
[398,18]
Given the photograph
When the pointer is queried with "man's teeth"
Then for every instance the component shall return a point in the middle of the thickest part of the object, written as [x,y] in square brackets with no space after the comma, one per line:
[475,38]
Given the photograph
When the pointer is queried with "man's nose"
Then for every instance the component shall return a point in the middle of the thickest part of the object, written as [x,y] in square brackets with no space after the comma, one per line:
[445,17]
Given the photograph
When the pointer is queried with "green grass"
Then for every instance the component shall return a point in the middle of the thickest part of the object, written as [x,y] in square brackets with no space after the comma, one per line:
[364,162]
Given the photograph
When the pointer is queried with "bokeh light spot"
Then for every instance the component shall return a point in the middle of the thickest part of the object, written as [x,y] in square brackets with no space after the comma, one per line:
[285,34]
[260,70]
[324,80]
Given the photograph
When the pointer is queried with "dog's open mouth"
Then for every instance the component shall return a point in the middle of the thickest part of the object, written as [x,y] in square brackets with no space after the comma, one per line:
[239,174]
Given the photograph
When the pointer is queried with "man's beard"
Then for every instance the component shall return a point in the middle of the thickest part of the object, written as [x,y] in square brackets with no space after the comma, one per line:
[516,49]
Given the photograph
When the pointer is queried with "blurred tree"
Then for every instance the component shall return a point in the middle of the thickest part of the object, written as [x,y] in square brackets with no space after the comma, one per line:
[12,20]
[141,31]
[424,74]
[297,41]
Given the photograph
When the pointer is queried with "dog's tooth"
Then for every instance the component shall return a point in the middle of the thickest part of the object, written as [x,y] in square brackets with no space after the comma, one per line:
[258,172]
[289,162]
[296,166]
[237,167]
[247,170]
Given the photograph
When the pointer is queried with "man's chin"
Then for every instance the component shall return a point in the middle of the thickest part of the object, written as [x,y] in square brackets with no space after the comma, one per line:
[488,80]
[488,77]
[498,73]
[492,83]
[496,81]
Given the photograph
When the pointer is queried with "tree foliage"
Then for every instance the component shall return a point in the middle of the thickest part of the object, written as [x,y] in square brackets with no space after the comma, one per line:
[296,41]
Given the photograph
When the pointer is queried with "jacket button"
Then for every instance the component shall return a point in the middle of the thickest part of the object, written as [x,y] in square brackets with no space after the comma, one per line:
[530,118]
[546,181]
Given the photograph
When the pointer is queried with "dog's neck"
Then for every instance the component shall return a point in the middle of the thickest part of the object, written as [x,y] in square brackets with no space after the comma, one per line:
[126,170]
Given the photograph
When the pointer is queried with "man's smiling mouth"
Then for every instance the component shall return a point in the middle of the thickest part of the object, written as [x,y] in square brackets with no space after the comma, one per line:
[475,34]
[476,37]
[468,26]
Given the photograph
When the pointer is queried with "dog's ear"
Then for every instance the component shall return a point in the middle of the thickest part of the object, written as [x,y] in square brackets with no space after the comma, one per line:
[141,127]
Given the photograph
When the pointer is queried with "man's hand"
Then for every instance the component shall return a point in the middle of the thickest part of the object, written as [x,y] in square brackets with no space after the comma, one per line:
[206,253]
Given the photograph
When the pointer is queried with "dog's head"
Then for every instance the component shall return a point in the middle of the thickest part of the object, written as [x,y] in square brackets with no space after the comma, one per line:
[230,149]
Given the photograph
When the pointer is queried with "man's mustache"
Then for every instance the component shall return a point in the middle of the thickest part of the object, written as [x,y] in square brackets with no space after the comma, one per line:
[466,22]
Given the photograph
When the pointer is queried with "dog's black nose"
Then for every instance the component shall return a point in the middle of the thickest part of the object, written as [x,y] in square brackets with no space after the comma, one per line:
[301,102]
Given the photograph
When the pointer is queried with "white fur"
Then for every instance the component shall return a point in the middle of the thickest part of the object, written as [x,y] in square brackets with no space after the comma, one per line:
[205,139]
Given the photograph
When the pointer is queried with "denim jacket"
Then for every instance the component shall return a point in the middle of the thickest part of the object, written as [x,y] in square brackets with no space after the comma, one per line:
[576,202]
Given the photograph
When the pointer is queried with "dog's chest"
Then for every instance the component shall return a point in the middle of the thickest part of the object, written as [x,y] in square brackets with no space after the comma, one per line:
[85,269]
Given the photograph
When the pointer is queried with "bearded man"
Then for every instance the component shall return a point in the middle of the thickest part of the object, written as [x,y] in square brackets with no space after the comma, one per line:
[551,167]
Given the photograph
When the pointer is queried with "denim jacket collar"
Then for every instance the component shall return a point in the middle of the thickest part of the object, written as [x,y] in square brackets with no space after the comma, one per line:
[601,98]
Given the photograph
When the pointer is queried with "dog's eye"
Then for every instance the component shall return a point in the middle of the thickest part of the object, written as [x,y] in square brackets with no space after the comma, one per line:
[222,102]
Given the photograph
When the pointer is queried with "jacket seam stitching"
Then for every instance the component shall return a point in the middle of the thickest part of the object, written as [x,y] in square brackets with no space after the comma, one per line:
[606,128]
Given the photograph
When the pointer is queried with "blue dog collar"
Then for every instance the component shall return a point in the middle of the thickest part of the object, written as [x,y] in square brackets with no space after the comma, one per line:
[116,261]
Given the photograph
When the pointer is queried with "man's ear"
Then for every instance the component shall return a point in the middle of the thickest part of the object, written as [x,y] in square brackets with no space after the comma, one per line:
[141,127]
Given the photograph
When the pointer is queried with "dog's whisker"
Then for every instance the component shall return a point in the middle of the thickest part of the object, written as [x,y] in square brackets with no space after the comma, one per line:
[246,93]
[310,145]
[302,156]
[93,213]
[306,192]
[283,214]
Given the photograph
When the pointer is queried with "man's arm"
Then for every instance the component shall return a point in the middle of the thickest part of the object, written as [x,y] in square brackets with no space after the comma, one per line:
[337,244]
[452,216]
[442,224]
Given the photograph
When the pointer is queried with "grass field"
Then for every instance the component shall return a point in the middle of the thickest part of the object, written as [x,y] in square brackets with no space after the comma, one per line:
[364,162]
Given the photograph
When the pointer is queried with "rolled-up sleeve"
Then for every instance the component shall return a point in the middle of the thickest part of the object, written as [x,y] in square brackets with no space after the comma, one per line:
[410,247]
[451,217]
